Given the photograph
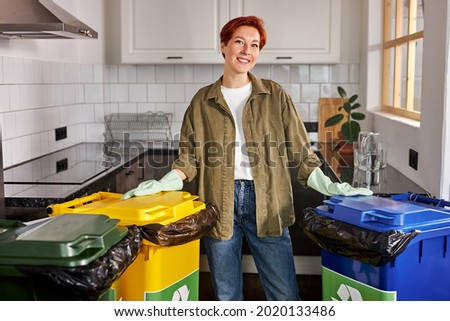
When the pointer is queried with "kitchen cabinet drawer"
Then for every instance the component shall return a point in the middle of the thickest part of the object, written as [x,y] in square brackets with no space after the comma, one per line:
[187,31]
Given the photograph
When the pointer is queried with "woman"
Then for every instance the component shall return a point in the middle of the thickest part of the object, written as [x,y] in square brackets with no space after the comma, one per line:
[239,137]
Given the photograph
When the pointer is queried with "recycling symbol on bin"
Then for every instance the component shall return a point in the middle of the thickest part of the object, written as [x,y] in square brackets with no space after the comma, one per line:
[347,293]
[181,294]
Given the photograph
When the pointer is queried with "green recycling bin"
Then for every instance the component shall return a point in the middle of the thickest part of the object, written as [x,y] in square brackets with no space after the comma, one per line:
[67,257]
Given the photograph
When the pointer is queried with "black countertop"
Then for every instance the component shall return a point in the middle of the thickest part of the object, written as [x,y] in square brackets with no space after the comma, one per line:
[384,182]
[91,166]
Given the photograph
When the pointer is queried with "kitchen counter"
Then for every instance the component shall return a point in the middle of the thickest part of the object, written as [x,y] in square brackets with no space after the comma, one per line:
[70,173]
[87,168]
[384,182]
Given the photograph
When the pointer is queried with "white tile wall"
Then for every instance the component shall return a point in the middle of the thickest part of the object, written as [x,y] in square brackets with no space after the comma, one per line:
[38,96]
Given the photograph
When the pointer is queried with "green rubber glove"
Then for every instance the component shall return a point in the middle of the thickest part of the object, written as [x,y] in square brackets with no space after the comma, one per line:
[323,184]
[170,182]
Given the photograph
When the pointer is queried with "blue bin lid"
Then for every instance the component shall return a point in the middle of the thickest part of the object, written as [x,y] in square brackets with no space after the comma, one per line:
[383,214]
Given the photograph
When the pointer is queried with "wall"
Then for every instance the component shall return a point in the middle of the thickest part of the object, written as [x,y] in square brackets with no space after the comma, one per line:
[427,136]
[46,84]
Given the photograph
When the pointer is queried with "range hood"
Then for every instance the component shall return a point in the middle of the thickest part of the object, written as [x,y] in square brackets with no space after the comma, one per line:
[40,19]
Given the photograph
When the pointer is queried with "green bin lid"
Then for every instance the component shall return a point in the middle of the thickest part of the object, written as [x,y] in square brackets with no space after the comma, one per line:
[66,240]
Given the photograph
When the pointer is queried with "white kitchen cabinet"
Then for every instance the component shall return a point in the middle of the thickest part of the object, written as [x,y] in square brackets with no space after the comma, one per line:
[298,31]
[187,31]
[172,31]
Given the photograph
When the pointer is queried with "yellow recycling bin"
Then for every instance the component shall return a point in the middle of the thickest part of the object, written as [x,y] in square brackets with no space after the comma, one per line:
[159,273]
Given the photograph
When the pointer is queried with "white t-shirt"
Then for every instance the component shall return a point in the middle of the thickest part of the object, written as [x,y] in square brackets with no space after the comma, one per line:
[236,99]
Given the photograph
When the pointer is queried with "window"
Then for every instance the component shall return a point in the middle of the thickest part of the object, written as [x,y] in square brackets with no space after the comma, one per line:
[402,64]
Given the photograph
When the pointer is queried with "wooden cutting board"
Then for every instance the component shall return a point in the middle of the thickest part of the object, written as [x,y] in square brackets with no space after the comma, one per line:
[328,107]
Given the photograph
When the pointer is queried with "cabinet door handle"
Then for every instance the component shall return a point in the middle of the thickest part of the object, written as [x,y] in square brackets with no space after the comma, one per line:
[129,173]
[174,57]
[284,58]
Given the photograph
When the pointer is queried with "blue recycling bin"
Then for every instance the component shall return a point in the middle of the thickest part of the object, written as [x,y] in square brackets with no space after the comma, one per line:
[383,249]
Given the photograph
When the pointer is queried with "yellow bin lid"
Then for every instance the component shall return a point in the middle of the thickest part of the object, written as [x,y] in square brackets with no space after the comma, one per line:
[163,208]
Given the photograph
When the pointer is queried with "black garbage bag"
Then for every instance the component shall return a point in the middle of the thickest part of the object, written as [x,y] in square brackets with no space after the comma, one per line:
[371,247]
[90,281]
[185,230]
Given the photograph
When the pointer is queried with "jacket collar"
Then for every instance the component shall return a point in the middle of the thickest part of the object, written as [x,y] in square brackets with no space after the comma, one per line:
[258,88]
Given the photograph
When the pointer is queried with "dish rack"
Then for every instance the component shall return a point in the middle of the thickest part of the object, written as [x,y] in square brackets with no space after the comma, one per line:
[142,127]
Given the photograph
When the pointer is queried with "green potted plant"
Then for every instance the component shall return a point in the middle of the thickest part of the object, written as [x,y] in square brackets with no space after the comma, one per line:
[350,127]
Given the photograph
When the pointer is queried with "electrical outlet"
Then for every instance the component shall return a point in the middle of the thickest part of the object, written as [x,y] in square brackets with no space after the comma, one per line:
[60,133]
[62,165]
[413,158]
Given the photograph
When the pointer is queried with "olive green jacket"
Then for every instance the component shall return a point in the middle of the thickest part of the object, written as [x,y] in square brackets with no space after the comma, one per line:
[276,139]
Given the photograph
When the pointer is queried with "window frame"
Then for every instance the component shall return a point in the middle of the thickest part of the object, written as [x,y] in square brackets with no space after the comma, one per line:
[399,40]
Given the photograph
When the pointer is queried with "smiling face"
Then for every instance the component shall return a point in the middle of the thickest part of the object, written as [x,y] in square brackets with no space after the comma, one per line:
[242,50]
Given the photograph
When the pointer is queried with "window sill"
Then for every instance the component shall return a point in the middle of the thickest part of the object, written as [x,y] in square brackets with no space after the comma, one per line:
[396,118]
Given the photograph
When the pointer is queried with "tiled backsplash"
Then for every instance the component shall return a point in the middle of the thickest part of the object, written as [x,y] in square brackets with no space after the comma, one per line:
[38,96]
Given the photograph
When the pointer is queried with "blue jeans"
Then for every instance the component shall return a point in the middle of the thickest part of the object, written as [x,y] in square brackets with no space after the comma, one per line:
[273,256]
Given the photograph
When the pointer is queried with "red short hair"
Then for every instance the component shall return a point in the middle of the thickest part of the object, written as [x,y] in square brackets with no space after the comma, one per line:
[230,27]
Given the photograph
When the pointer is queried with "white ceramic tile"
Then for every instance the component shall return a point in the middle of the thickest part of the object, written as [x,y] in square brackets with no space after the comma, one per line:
[146,107]
[87,73]
[319,74]
[46,72]
[217,71]
[328,90]
[111,74]
[53,95]
[184,74]
[99,73]
[127,108]
[9,129]
[73,74]
[93,93]
[280,73]
[25,122]
[165,107]
[310,93]
[14,97]
[28,71]
[57,73]
[191,90]
[175,93]
[127,74]
[179,110]
[165,74]
[293,90]
[339,73]
[69,94]
[119,93]
[9,74]
[303,111]
[35,145]
[99,113]
[7,153]
[203,74]
[38,76]
[156,93]
[87,113]
[314,112]
[146,74]
[354,73]
[300,74]
[262,71]
[4,98]
[138,92]
[1,71]
[94,133]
